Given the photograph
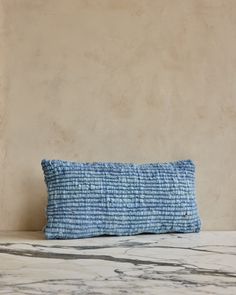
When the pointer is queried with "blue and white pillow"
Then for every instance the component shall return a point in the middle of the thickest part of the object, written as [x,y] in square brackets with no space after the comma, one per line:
[93,199]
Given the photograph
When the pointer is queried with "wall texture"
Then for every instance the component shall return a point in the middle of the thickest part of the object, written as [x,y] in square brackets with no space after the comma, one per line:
[117,80]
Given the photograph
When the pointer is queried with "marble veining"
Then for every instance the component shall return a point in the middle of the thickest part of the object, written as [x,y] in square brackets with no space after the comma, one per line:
[203,263]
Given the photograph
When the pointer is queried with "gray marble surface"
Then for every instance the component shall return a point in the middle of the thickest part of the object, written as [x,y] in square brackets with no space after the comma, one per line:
[203,263]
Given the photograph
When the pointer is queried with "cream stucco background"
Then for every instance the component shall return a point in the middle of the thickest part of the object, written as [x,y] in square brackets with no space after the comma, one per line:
[117,80]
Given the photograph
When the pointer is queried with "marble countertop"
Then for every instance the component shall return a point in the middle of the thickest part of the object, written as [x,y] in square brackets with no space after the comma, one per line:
[203,263]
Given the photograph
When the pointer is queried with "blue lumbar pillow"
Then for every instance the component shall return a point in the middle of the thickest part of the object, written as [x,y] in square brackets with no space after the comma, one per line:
[93,199]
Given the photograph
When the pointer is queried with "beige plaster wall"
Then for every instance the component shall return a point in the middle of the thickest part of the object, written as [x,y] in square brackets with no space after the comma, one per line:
[117,80]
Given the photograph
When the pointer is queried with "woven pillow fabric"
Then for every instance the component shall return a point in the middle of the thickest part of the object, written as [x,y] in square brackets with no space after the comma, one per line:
[93,199]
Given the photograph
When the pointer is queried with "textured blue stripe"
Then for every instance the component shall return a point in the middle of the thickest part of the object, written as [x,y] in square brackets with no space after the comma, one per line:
[92,199]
